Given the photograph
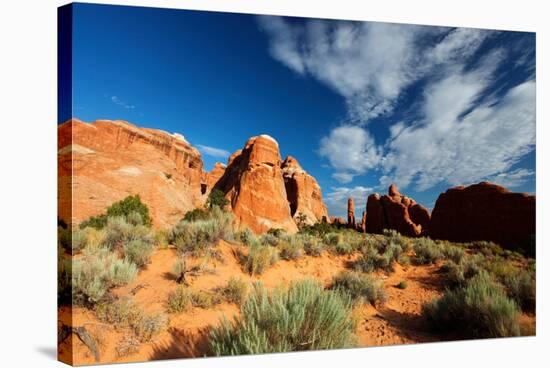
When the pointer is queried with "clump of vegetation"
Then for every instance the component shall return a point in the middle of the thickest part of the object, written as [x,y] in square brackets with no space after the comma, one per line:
[96,273]
[119,232]
[196,215]
[360,287]
[245,236]
[124,313]
[234,291]
[199,236]
[259,258]
[183,299]
[426,251]
[522,288]
[481,309]
[216,198]
[292,249]
[279,233]
[302,317]
[460,273]
[371,260]
[121,208]
[138,251]
[402,285]
[269,239]
[313,246]
[319,229]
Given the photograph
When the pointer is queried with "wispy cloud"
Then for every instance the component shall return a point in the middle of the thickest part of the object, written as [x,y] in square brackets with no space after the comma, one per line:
[336,199]
[117,101]
[213,151]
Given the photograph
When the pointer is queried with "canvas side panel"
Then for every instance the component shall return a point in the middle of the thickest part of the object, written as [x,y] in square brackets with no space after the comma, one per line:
[64,183]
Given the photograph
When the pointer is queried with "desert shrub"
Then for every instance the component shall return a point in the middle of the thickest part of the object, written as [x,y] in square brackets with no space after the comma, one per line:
[402,285]
[196,215]
[78,241]
[313,246]
[64,278]
[319,229]
[499,267]
[234,291]
[480,309]
[199,236]
[301,317]
[245,236]
[360,287]
[370,261]
[276,232]
[118,232]
[216,198]
[343,248]
[393,237]
[522,288]
[259,259]
[183,298]
[129,206]
[138,251]
[452,252]
[180,300]
[269,239]
[95,274]
[64,238]
[292,249]
[332,239]
[459,273]
[487,248]
[426,251]
[150,325]
[121,312]
[161,239]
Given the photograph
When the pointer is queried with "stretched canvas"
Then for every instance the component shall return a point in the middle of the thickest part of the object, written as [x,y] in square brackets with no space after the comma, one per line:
[245,184]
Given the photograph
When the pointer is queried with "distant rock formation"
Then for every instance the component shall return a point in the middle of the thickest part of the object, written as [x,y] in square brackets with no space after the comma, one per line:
[351,214]
[363,226]
[303,192]
[102,162]
[395,211]
[485,211]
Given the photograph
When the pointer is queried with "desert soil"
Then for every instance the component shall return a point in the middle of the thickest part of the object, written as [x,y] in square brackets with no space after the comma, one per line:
[398,321]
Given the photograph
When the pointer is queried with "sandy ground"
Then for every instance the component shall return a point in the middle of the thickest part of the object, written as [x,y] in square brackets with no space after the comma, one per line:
[398,321]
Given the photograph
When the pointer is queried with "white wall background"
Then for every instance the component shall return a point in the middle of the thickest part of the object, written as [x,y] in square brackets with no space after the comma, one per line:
[28,179]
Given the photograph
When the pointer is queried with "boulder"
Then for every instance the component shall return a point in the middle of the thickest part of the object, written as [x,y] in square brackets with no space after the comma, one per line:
[485,211]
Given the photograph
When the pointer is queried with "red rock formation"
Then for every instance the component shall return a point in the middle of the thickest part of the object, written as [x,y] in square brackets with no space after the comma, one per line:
[211,178]
[253,182]
[363,222]
[303,193]
[105,161]
[351,214]
[395,211]
[485,211]
[337,221]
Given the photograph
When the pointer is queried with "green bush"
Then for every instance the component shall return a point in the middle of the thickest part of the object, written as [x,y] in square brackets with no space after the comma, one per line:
[360,287]
[199,236]
[481,309]
[259,258]
[292,249]
[183,298]
[196,215]
[427,251]
[452,252]
[129,206]
[402,285]
[245,236]
[313,246]
[343,249]
[279,233]
[234,291]
[319,229]
[522,288]
[459,274]
[269,239]
[333,239]
[118,232]
[370,261]
[138,252]
[94,274]
[302,317]
[216,198]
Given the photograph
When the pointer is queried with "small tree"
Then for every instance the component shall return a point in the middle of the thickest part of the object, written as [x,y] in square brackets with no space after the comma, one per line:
[301,219]
[216,198]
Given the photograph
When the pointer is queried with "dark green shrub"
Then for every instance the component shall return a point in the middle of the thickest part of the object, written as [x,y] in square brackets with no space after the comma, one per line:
[121,208]
[402,285]
[196,215]
[426,251]
[279,233]
[481,309]
[235,291]
[216,198]
[360,287]
[302,317]
[319,229]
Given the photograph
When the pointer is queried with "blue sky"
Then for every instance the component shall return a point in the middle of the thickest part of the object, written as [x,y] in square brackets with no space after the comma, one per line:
[359,104]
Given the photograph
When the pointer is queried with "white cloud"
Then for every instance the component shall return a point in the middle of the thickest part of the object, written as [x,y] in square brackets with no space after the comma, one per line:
[337,200]
[117,101]
[212,151]
[513,178]
[351,150]
[369,64]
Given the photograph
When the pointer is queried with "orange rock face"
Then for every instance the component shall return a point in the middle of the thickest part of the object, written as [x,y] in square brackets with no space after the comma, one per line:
[485,211]
[303,192]
[253,182]
[351,213]
[396,211]
[102,162]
